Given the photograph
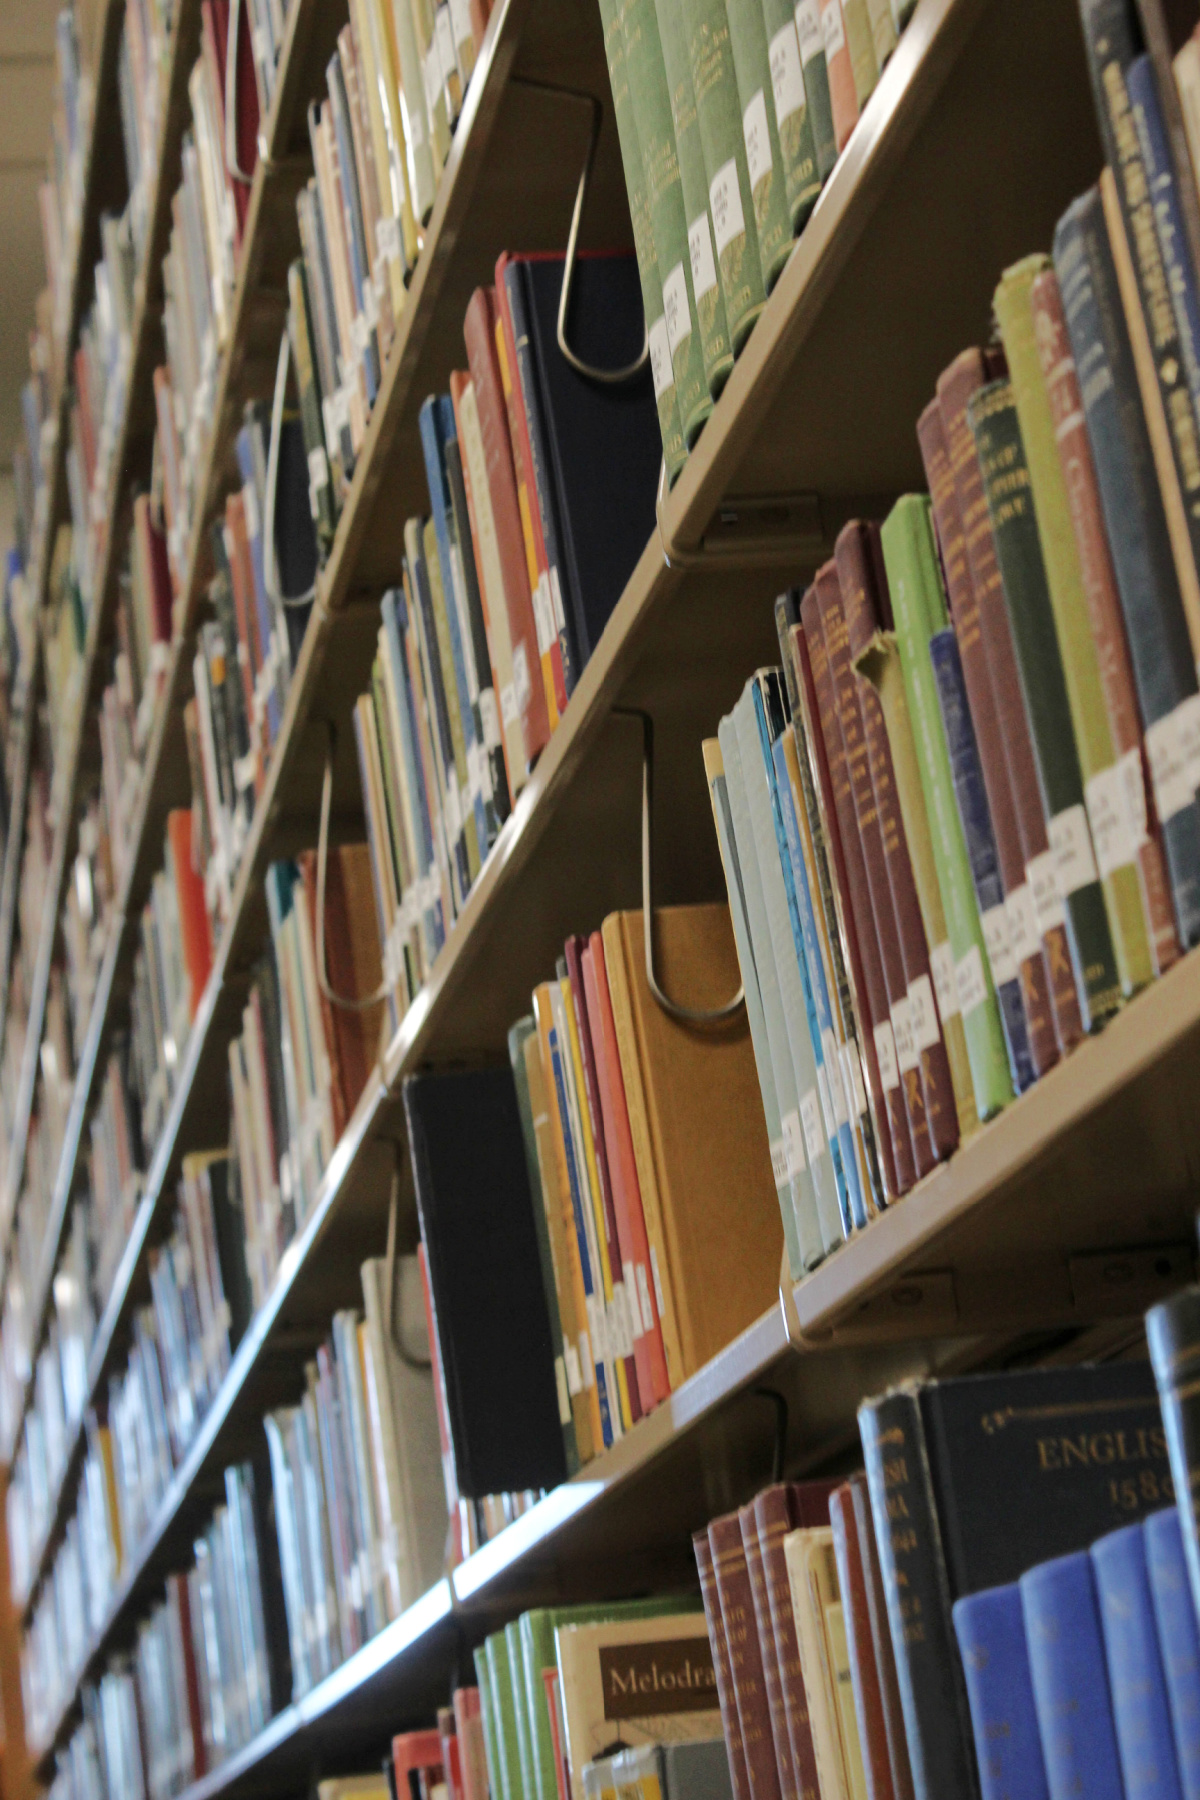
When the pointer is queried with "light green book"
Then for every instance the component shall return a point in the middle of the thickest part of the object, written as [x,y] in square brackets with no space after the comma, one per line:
[674,448]
[1064,576]
[706,282]
[504,1724]
[714,768]
[860,41]
[731,203]
[811,37]
[796,143]
[919,606]
[884,33]
[516,1668]
[760,132]
[651,99]
[808,1239]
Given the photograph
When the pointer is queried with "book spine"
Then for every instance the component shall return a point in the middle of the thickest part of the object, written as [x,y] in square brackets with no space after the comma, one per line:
[976,825]
[860,37]
[706,283]
[1116,481]
[810,35]
[910,558]
[993,420]
[1137,1683]
[857,553]
[1070,1679]
[651,100]
[1173,1338]
[1077,649]
[726,1697]
[731,202]
[785,1768]
[1021,917]
[597,1336]
[955,387]
[802,177]
[548,648]
[990,1629]
[760,132]
[732,1579]
[494,780]
[1178,1638]
[842,92]
[666,399]
[881,1640]
[864,1675]
[458,796]
[908,1538]
[773,1521]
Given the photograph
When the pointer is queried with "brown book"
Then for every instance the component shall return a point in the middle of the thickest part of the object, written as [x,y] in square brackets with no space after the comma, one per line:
[479,332]
[862,979]
[966,373]
[785,1763]
[812,609]
[859,555]
[881,1639]
[699,1139]
[778,1510]
[468,1725]
[745,1658]
[1020,917]
[864,1675]
[1100,592]
[726,1698]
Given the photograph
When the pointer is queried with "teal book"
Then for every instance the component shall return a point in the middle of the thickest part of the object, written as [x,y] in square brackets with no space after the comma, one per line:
[910,556]
[811,37]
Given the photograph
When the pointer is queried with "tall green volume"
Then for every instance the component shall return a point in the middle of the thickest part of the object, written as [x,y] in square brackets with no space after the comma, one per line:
[760,132]
[714,84]
[811,38]
[706,283]
[674,448]
[1076,644]
[1072,883]
[664,190]
[792,116]
[910,557]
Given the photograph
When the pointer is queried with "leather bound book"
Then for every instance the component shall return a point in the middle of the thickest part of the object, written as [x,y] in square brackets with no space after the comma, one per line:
[790,1784]
[881,1639]
[860,567]
[476,1215]
[864,1674]
[778,1510]
[726,1697]
[850,893]
[193,914]
[955,387]
[1021,917]
[528,690]
[245,114]
[879,1034]
[732,1577]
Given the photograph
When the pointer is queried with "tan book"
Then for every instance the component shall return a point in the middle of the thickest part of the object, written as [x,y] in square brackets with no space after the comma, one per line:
[353,1787]
[812,1577]
[700,1141]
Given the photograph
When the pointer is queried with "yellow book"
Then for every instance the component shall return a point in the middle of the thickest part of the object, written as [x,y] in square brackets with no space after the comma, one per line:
[545,651]
[385,222]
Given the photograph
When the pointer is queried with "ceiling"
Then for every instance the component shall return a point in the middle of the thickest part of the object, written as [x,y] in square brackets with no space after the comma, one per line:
[27,82]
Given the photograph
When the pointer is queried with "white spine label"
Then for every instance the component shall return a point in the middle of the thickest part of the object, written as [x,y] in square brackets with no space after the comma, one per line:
[970,981]
[809,30]
[923,1014]
[941,964]
[793,1145]
[1071,842]
[704,263]
[995,936]
[676,310]
[885,1055]
[1047,903]
[660,358]
[779,1167]
[833,1075]
[810,1118]
[1109,817]
[1023,935]
[787,76]
[725,198]
[832,29]
[906,1049]
[1167,753]
[758,139]
[852,1069]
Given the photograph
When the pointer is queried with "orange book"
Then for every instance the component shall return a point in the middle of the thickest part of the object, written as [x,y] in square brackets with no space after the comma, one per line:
[843,94]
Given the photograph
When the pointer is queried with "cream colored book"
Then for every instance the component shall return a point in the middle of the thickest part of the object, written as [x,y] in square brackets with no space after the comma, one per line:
[353,1787]
[812,1577]
[635,1681]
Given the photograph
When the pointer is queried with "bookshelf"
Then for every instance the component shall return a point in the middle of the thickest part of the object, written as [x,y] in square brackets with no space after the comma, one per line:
[973,142]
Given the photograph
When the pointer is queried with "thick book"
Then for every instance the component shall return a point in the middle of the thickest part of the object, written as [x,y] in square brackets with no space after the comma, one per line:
[1070,1679]
[990,1627]
[731,1726]
[790,1777]
[824,1661]
[1136,1679]
[477,1225]
[797,146]
[1178,1640]
[760,130]
[779,1509]
[881,1639]
[732,1577]
[864,1670]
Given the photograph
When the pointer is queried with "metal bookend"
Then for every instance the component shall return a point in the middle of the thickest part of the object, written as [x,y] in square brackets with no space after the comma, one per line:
[270,565]
[231,81]
[608,377]
[752,531]
[686,1015]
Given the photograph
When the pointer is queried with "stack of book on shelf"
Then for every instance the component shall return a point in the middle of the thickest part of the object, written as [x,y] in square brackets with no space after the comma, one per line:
[146,41]
[170,972]
[60,197]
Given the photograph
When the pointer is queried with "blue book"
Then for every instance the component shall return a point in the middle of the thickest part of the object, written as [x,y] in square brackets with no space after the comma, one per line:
[1070,1680]
[976,819]
[1160,649]
[1137,1685]
[394,610]
[1142,83]
[990,1628]
[1178,1640]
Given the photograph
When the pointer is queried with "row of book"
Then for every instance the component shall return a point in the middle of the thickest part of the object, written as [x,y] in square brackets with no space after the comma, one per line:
[60,197]
[731,115]
[146,39]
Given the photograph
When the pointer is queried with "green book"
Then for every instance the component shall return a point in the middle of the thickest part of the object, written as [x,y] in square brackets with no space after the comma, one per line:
[760,132]
[810,35]
[731,203]
[521,1720]
[536,1631]
[919,605]
[517,1038]
[860,42]
[992,415]
[884,32]
[1064,577]
[674,448]
[796,142]
[487,1714]
[660,162]
[504,1723]
[706,283]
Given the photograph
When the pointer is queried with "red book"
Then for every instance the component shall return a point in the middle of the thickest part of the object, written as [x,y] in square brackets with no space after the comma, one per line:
[885,1751]
[843,95]
[193,914]
[622,1167]
[416,1754]
[731,1724]
[177,1596]
[479,332]
[776,1511]
[451,1761]
[562,1772]
[472,1751]
[733,1581]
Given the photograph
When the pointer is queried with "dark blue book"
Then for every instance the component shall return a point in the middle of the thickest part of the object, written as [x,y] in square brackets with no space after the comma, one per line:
[1160,649]
[1146,101]
[975,817]
[1008,1748]
[1136,1682]
[1070,1680]
[295,540]
[603,438]
[1178,1640]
